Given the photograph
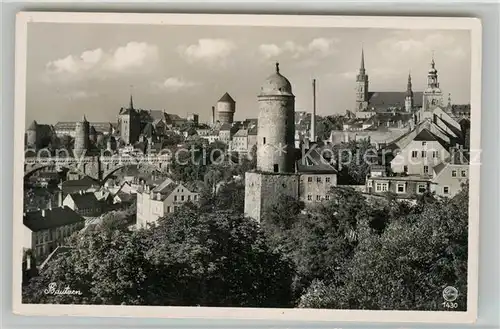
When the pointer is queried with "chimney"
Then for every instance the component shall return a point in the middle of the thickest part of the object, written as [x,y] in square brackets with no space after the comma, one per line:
[313,115]
[213,115]
[43,212]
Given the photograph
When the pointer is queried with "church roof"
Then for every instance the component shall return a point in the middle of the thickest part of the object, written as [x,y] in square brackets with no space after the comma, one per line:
[387,99]
[92,130]
[51,218]
[148,130]
[226,98]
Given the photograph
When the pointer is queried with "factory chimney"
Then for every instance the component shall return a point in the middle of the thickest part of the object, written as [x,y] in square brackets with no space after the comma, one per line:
[213,115]
[313,115]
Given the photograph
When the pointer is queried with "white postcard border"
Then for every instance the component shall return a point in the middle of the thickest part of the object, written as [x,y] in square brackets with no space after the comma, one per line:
[472,24]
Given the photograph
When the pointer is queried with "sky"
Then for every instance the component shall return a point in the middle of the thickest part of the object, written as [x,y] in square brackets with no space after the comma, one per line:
[91,69]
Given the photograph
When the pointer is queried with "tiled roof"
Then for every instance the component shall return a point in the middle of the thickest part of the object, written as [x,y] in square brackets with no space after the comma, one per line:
[425,135]
[225,126]
[241,133]
[314,164]
[386,99]
[85,200]
[51,218]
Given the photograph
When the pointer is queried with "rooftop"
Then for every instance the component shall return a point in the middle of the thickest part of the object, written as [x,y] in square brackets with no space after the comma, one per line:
[51,218]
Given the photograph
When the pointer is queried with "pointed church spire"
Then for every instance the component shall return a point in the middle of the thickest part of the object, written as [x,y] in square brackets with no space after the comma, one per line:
[131,104]
[362,59]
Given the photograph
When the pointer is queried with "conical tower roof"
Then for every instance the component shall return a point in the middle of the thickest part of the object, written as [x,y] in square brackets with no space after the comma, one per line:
[226,98]
[33,125]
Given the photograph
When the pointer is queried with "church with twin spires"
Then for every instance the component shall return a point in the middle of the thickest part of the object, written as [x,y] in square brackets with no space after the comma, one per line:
[370,102]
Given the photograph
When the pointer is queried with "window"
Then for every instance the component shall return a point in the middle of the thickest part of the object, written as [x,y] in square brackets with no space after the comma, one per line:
[327,197]
[263,140]
[276,167]
[195,197]
[421,188]
[385,187]
[424,154]
[405,169]
[327,179]
[168,209]
[309,179]
[175,197]
[434,154]
[182,197]
[446,190]
[309,197]
[318,179]
[464,173]
[400,188]
[370,183]
[426,169]
[189,198]
[318,197]
[453,173]
[414,154]
[378,187]
[424,143]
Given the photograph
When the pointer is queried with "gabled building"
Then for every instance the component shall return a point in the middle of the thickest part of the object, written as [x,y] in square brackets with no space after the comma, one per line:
[46,229]
[156,202]
[85,204]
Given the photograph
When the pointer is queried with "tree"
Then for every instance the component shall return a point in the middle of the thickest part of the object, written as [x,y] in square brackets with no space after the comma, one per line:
[219,259]
[408,265]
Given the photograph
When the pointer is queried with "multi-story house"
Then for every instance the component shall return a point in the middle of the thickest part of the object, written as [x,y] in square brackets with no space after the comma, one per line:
[85,204]
[156,202]
[449,176]
[45,230]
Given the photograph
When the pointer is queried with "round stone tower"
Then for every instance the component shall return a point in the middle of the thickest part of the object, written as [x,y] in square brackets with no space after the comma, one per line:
[226,106]
[276,125]
[31,134]
[81,137]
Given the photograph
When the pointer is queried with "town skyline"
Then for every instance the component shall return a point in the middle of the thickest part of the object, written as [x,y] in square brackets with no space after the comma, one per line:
[189,74]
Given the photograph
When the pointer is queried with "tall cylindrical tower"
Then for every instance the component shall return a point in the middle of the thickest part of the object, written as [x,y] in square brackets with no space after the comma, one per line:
[31,139]
[81,137]
[276,125]
[226,106]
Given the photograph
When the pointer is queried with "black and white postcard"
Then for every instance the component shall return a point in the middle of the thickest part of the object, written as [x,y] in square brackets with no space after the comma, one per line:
[314,168]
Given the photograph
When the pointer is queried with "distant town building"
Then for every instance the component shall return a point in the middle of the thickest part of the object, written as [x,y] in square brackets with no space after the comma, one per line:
[130,124]
[155,202]
[39,135]
[46,229]
[226,106]
[85,204]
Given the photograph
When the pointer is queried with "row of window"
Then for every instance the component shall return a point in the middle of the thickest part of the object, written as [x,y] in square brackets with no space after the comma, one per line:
[59,232]
[318,197]
[401,188]
[414,154]
[463,173]
[319,180]
[195,197]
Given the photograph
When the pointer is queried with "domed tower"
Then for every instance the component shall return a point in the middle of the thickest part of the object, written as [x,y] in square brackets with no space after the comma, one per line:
[226,106]
[31,139]
[276,125]
[433,96]
[81,137]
